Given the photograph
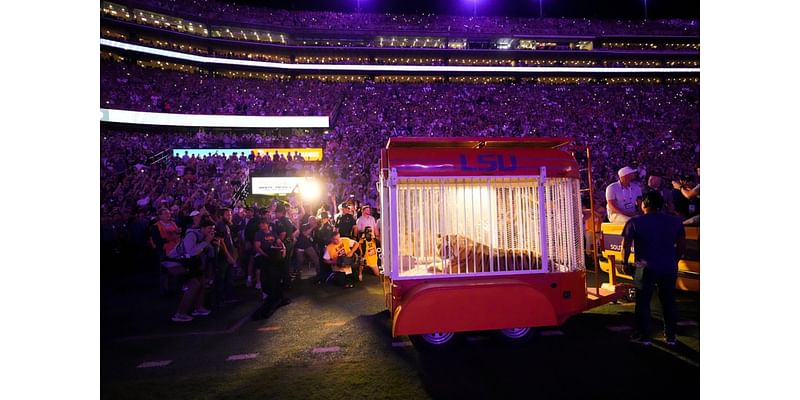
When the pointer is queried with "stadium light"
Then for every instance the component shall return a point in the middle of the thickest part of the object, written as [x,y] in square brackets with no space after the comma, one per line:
[311,191]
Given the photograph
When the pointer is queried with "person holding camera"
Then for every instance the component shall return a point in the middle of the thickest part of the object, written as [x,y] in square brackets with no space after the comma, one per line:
[190,252]
[340,255]
[659,239]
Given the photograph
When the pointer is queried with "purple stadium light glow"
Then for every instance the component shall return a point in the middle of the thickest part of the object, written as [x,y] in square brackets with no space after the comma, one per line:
[387,68]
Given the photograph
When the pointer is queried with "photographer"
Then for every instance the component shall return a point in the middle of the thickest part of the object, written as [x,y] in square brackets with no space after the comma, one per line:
[340,255]
[190,252]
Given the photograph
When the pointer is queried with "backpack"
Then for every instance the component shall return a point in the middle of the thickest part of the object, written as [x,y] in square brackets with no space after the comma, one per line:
[180,251]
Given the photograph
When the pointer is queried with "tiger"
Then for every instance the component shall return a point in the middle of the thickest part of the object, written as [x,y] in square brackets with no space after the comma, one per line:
[468,256]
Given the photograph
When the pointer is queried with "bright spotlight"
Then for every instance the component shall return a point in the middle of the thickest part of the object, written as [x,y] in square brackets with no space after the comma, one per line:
[310,190]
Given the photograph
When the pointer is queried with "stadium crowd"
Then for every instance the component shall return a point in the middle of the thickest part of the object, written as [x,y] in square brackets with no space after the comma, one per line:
[425,24]
[151,199]
[128,87]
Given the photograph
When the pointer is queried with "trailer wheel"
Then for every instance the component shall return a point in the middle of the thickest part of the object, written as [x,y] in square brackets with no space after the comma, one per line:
[437,341]
[630,294]
[516,336]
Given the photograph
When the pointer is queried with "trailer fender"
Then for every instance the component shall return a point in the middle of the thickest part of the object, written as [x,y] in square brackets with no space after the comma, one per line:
[473,306]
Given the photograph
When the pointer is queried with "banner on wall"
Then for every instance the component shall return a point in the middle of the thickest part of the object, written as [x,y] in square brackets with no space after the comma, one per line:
[284,185]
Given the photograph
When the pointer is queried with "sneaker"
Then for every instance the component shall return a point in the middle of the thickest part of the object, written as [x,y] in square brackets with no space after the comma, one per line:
[258,285]
[637,337]
[178,317]
[200,311]
[249,281]
[671,340]
[264,296]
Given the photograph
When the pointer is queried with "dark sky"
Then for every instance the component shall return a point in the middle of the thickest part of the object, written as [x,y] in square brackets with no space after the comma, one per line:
[604,9]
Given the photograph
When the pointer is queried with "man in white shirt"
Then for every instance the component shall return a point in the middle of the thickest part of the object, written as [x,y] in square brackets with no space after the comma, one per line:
[365,220]
[621,197]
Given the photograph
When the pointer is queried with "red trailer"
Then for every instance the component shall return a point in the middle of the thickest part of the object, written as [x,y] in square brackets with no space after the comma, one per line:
[482,234]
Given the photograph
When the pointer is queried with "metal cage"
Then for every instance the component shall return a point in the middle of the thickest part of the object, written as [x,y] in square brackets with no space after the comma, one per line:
[478,226]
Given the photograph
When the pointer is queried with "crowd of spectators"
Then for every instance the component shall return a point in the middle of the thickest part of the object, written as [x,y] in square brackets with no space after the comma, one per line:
[653,128]
[224,12]
[128,87]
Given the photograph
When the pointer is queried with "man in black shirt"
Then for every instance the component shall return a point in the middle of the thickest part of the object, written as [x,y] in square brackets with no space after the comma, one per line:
[346,222]
[270,255]
[223,279]
[322,237]
[285,230]
[249,236]
[659,240]
[305,249]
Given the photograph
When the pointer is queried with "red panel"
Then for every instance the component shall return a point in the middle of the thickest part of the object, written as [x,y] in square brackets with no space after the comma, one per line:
[476,142]
[472,304]
[421,162]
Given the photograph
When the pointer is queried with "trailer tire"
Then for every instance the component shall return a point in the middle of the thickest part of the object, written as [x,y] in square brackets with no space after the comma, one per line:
[630,294]
[516,336]
[435,342]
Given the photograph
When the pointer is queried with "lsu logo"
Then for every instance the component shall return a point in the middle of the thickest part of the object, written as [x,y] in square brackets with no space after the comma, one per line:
[488,163]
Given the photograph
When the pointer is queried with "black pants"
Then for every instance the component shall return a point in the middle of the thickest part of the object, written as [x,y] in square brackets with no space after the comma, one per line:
[223,283]
[271,285]
[665,282]
[324,268]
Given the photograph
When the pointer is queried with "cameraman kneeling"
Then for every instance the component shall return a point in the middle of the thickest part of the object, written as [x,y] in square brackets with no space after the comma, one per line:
[339,254]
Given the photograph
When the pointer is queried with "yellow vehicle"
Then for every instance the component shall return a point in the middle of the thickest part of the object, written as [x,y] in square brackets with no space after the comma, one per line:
[688,267]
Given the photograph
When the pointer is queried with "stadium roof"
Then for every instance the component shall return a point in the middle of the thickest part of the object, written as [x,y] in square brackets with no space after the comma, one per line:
[603,9]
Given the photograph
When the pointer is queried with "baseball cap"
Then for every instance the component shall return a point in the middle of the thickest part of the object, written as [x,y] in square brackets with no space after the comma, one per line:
[625,171]
[194,213]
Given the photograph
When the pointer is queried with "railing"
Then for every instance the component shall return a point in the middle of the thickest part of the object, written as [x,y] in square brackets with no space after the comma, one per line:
[240,192]
[158,157]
